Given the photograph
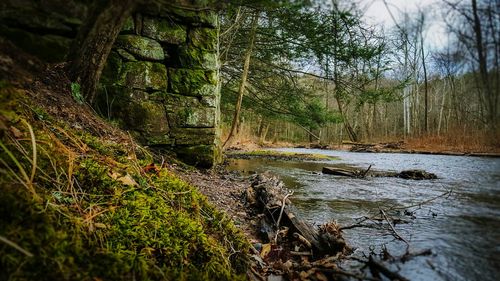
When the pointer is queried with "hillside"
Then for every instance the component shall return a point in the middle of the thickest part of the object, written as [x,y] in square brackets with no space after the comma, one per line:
[81,200]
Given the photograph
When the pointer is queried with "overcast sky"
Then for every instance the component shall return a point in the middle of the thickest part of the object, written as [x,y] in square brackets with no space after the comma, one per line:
[376,13]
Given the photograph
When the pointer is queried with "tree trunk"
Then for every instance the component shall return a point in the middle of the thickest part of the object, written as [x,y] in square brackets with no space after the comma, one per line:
[426,86]
[93,44]
[263,134]
[244,76]
[441,109]
[483,64]
[350,131]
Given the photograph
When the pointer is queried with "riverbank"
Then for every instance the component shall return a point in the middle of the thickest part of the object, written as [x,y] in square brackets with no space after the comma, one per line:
[409,147]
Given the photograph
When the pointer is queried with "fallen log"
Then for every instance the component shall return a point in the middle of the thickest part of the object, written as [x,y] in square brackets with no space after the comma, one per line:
[272,200]
[355,172]
[340,172]
[416,175]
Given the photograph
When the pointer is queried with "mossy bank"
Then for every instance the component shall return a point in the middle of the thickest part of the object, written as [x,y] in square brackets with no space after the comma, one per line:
[76,205]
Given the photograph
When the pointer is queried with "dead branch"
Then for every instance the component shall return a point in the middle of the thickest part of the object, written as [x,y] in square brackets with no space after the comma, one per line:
[378,266]
[396,234]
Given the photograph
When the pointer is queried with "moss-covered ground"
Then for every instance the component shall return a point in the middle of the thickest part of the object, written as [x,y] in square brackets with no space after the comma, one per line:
[76,206]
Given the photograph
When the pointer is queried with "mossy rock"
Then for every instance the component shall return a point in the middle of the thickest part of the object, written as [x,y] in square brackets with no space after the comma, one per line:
[125,55]
[177,12]
[143,75]
[203,38]
[134,111]
[142,47]
[193,136]
[164,30]
[210,99]
[188,112]
[195,18]
[128,27]
[198,155]
[192,82]
[148,117]
[193,57]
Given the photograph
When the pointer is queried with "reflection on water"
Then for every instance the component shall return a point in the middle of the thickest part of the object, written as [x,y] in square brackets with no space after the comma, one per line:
[462,229]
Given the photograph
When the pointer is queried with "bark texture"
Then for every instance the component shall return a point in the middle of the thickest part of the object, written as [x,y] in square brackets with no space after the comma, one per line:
[94,41]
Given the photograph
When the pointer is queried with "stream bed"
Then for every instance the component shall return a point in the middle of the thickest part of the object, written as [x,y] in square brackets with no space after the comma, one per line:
[462,229]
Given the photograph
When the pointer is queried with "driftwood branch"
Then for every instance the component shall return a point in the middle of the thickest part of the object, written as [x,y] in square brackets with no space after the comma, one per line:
[396,234]
[271,197]
[366,172]
[283,203]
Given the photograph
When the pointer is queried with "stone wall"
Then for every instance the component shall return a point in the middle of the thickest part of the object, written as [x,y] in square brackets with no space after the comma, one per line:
[161,78]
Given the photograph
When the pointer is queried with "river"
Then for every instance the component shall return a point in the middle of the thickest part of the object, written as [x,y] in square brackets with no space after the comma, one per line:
[462,229]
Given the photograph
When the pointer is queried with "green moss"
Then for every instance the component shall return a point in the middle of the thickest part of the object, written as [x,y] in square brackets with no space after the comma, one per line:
[99,215]
[128,26]
[143,75]
[141,47]
[192,82]
[195,58]
[164,30]
[204,38]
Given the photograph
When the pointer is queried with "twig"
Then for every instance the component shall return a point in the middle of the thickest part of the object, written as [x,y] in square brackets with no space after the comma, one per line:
[363,219]
[260,277]
[281,214]
[396,234]
[408,256]
[33,144]
[423,202]
[15,246]
[384,270]
[365,172]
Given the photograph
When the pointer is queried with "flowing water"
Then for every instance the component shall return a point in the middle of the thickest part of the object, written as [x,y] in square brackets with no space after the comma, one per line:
[462,229]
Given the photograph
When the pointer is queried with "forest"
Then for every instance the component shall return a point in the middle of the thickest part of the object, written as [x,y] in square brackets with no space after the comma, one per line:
[331,77]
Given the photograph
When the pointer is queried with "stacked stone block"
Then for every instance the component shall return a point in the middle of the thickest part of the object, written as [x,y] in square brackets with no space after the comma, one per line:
[161,83]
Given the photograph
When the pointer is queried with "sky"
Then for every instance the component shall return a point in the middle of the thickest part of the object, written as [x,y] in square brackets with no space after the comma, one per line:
[376,13]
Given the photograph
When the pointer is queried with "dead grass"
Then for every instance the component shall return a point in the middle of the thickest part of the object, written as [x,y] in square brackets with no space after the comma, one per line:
[457,141]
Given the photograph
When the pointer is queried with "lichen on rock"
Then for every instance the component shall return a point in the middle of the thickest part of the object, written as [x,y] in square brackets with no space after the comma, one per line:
[143,75]
[192,82]
[142,47]
[164,30]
